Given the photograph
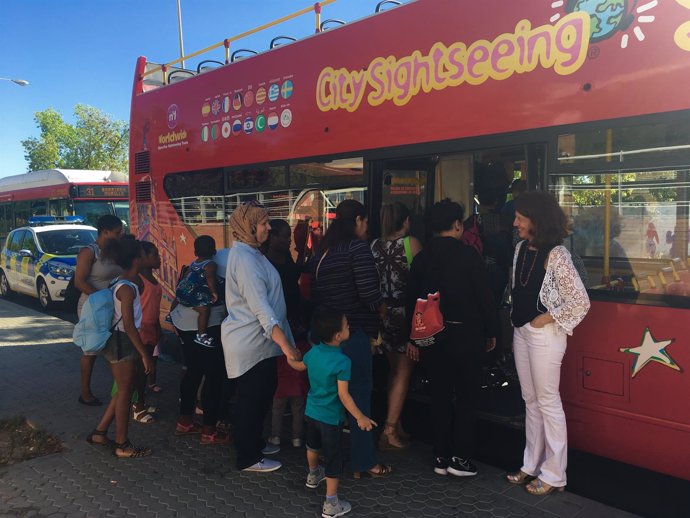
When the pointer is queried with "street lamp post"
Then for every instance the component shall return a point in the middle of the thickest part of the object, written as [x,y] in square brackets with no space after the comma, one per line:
[20,82]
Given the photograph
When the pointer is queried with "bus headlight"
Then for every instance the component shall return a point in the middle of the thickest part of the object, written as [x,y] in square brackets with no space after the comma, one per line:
[60,269]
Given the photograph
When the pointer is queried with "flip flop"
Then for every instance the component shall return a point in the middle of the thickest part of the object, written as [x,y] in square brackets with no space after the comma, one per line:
[93,402]
[155,388]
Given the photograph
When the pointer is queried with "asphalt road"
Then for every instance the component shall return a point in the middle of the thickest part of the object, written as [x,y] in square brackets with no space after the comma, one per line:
[626,487]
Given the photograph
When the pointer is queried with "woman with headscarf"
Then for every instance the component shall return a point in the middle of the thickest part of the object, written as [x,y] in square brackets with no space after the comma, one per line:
[254,333]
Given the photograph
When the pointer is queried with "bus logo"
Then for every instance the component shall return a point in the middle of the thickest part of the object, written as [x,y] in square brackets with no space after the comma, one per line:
[286,89]
[261,95]
[273,92]
[236,127]
[273,120]
[260,123]
[172,116]
[248,125]
[286,118]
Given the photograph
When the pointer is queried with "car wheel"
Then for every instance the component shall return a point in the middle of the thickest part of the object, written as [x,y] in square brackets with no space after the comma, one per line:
[44,295]
[5,290]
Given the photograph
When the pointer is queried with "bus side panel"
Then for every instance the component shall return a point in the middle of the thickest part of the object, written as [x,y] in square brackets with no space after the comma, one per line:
[624,385]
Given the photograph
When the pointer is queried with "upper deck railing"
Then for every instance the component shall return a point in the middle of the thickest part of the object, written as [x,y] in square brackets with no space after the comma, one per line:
[156,75]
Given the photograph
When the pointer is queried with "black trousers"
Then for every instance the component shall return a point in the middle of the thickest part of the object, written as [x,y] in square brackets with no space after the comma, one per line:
[255,389]
[454,367]
[202,362]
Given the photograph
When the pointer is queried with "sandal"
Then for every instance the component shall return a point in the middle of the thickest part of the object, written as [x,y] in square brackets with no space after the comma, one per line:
[187,429]
[143,416]
[519,477]
[155,388]
[129,451]
[217,437]
[539,488]
[104,441]
[392,442]
[383,471]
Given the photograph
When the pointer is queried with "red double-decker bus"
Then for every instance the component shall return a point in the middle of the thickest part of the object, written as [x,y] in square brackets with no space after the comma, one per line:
[584,98]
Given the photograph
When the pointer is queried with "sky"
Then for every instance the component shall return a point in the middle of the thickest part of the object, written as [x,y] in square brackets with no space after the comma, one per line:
[84,51]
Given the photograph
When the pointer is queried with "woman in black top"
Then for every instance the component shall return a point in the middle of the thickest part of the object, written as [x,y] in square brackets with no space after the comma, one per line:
[454,363]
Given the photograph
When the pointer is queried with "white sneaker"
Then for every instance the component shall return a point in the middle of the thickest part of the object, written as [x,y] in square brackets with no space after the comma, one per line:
[264,466]
[275,440]
[297,442]
[314,479]
[340,508]
[270,449]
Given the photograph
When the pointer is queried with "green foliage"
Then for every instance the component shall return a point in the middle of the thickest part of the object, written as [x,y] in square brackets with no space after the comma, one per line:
[94,141]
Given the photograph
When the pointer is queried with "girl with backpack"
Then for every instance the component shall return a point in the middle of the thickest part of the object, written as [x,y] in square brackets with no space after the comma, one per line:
[124,348]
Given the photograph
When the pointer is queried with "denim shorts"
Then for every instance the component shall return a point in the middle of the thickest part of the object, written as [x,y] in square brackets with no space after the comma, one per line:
[326,438]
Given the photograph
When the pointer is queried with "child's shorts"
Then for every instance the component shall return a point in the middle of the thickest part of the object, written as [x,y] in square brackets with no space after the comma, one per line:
[119,348]
[326,438]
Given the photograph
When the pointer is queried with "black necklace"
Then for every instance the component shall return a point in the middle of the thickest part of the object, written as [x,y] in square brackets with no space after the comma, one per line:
[525,280]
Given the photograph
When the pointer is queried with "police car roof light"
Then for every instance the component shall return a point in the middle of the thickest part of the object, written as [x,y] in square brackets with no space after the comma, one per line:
[54,220]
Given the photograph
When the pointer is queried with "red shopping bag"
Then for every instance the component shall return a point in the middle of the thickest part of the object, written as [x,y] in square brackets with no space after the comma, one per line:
[427,321]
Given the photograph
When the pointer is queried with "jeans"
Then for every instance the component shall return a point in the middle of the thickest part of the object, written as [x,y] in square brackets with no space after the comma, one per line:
[454,367]
[205,363]
[297,405]
[538,357]
[357,348]
[255,389]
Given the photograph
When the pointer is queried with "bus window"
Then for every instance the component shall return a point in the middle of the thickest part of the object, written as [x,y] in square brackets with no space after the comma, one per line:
[6,219]
[122,211]
[630,228]
[92,210]
[22,213]
[260,178]
[454,179]
[39,208]
[344,171]
[60,207]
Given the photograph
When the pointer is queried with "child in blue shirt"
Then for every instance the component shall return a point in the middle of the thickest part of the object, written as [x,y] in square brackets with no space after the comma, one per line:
[329,373]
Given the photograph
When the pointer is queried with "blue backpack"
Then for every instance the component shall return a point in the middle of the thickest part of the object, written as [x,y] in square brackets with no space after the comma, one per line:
[95,324]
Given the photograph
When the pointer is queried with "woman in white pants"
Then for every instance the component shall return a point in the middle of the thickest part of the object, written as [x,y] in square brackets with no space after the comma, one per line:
[549,300]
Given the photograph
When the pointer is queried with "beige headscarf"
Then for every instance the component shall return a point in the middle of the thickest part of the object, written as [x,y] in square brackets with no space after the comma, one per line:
[244,220]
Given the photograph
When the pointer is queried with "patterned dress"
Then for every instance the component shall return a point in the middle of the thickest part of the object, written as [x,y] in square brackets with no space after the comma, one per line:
[394,270]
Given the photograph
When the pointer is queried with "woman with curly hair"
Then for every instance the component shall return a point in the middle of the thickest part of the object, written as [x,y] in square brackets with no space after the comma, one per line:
[549,300]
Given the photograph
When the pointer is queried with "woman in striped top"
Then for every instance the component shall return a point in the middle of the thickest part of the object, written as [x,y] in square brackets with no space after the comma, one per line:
[346,279]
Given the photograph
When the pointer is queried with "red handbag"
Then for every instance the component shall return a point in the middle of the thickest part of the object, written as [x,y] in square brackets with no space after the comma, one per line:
[427,321]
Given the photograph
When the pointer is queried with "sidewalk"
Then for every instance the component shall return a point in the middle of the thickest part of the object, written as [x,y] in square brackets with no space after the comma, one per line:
[185,479]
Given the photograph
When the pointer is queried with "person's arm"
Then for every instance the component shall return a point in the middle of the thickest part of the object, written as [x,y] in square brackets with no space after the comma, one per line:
[126,295]
[415,246]
[252,288]
[85,261]
[210,272]
[366,276]
[297,365]
[365,423]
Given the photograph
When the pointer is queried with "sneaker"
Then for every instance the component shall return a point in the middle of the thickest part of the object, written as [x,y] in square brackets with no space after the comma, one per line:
[461,467]
[274,439]
[441,466]
[205,340]
[340,508]
[297,442]
[264,466]
[270,449]
[314,479]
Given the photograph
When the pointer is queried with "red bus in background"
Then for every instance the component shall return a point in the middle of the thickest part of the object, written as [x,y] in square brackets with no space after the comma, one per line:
[62,192]
[584,98]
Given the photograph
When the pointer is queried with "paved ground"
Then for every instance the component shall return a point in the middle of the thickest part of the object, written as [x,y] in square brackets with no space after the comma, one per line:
[186,479]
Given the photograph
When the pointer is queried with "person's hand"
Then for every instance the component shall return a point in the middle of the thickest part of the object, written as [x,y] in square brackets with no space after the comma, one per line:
[541,320]
[365,423]
[214,298]
[292,353]
[149,366]
[412,352]
[490,344]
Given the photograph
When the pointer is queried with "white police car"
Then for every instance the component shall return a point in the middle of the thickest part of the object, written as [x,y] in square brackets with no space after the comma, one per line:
[39,260]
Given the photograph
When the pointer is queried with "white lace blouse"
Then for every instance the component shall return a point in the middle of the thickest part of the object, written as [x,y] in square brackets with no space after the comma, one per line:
[562,292]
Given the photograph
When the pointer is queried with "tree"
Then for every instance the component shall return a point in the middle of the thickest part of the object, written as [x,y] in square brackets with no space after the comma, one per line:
[95,141]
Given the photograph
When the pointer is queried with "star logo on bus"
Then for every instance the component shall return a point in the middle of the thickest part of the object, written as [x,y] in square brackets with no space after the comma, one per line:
[183,239]
[650,350]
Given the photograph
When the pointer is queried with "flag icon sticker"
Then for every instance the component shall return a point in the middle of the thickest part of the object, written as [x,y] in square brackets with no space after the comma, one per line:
[249,98]
[206,109]
[286,118]
[273,120]
[273,92]
[215,106]
[237,101]
[226,129]
[214,131]
[236,127]
[260,124]
[260,95]
[248,125]
[226,104]
[204,134]
[286,89]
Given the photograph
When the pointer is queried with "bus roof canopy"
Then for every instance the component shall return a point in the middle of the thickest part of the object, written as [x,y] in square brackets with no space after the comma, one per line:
[51,177]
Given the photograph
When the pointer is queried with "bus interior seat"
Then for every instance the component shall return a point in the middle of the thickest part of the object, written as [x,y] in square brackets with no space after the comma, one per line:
[208,64]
